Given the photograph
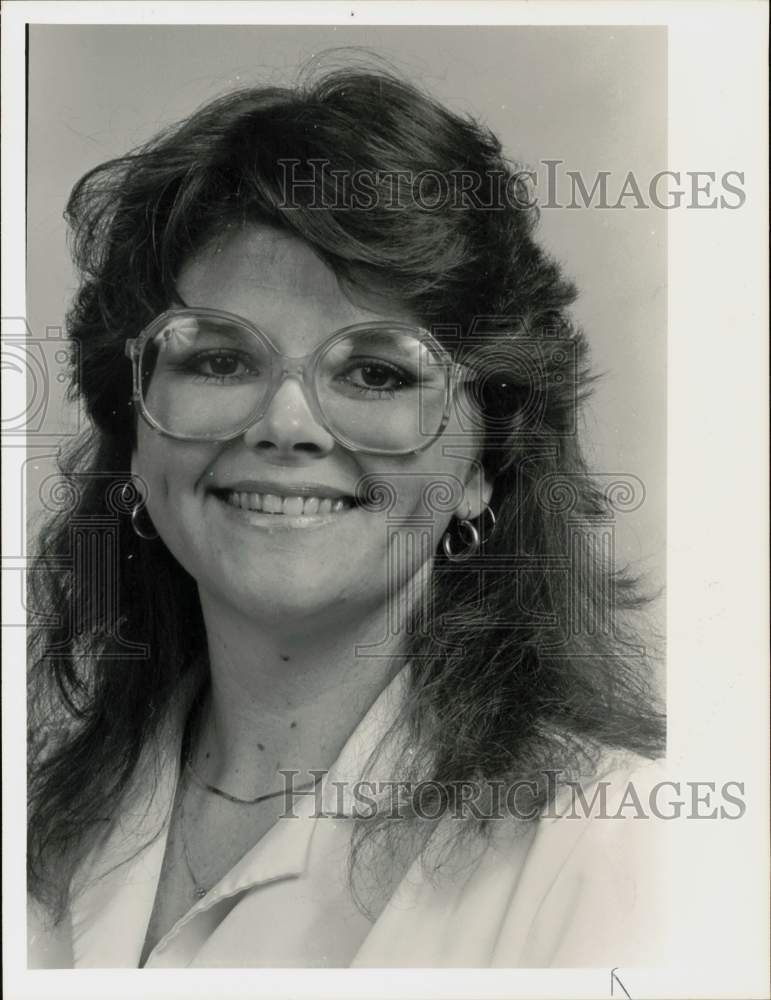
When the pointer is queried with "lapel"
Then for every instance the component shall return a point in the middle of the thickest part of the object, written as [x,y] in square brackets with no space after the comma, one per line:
[113,891]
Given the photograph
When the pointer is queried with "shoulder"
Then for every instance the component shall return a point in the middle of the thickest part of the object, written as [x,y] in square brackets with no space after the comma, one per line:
[591,881]
[571,888]
[49,944]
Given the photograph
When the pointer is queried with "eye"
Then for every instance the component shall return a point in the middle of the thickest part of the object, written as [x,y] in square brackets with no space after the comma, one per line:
[379,376]
[221,364]
[224,367]
[375,377]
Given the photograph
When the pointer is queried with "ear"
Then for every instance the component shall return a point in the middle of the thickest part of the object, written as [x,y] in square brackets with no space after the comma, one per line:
[136,476]
[479,489]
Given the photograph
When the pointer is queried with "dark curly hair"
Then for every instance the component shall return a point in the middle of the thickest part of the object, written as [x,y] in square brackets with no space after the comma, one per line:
[538,665]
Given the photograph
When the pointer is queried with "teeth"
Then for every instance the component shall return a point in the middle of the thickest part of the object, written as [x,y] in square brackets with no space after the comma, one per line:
[293,505]
[270,503]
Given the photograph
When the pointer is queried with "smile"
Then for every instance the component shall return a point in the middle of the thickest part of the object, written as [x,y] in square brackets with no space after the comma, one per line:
[292,506]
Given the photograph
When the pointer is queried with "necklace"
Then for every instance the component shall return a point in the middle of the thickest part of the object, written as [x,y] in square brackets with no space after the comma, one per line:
[194,723]
[234,798]
[199,891]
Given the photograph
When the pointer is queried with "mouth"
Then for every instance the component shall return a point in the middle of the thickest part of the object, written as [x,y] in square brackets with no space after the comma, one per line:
[278,505]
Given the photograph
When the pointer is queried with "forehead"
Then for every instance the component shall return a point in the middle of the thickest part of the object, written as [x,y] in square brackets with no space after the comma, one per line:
[278,283]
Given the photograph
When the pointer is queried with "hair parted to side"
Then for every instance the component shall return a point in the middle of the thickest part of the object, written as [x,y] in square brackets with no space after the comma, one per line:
[487,702]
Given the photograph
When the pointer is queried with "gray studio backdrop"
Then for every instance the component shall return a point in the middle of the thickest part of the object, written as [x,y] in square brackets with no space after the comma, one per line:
[591,97]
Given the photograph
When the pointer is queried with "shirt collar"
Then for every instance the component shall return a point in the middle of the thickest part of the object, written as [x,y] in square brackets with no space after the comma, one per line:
[126,862]
[370,752]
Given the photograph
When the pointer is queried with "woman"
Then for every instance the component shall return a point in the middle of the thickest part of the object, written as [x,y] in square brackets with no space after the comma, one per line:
[333,390]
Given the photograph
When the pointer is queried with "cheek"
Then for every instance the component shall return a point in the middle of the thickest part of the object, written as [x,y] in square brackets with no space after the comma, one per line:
[147,465]
[443,481]
[167,470]
[422,492]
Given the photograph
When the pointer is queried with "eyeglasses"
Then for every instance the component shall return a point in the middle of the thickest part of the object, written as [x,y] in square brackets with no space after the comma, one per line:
[206,375]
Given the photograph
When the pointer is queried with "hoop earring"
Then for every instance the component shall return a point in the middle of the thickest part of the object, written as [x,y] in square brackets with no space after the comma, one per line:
[487,509]
[136,510]
[138,530]
[464,524]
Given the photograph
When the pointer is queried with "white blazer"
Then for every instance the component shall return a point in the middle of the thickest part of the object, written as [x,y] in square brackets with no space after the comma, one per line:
[566,890]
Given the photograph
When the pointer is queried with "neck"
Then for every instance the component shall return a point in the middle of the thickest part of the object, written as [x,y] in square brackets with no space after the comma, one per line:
[286,698]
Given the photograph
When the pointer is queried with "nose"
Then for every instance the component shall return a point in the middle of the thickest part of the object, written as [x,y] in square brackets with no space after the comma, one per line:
[288,429]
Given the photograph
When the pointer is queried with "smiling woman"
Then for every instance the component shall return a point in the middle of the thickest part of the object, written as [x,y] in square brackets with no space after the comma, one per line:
[359,552]
[228,510]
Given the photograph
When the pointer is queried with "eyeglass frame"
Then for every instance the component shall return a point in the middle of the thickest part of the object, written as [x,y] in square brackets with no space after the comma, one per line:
[301,367]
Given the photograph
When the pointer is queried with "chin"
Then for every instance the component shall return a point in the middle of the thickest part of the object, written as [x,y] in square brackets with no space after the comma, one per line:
[290,598]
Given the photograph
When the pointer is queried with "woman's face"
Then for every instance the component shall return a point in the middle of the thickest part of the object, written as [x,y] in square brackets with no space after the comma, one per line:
[275,563]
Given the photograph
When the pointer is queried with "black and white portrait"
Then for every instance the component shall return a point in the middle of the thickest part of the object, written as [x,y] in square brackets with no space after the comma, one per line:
[346,502]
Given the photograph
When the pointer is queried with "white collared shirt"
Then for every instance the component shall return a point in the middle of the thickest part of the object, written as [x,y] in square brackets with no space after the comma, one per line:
[579,891]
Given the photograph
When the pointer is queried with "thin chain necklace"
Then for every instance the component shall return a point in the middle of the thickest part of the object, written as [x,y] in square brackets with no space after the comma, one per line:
[234,798]
[199,891]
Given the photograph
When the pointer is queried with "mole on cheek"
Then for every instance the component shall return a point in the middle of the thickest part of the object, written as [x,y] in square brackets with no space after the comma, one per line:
[284,658]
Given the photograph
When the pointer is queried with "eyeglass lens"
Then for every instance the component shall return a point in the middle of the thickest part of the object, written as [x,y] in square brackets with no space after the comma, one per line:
[208,377]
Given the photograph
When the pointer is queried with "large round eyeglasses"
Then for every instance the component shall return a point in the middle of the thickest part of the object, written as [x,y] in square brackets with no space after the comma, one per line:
[206,375]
